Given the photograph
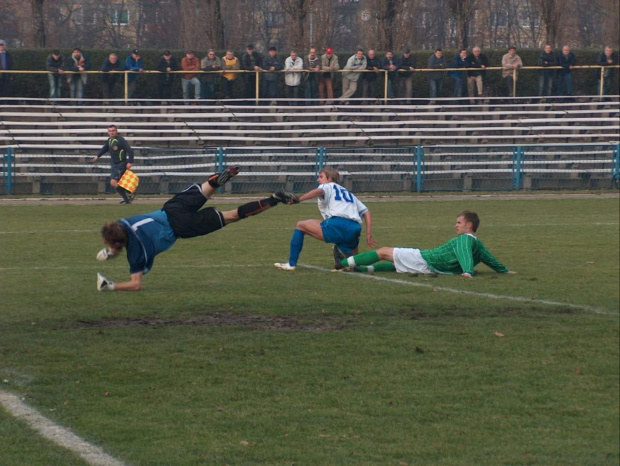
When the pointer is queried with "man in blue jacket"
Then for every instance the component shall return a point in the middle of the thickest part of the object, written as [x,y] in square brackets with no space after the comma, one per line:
[133,63]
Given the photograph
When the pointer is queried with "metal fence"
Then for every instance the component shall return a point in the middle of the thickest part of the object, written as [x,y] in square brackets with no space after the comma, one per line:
[363,169]
[384,77]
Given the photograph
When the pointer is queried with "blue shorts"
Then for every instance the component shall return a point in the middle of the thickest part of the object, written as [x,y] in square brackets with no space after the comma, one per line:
[343,232]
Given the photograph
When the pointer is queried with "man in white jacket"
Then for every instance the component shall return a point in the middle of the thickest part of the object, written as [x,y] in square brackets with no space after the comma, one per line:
[349,79]
[293,80]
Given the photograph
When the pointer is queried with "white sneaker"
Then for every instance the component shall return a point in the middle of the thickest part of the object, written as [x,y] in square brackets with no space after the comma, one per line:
[103,284]
[284,266]
[105,254]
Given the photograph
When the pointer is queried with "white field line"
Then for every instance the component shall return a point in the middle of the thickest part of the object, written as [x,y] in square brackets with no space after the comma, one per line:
[55,433]
[417,227]
[520,299]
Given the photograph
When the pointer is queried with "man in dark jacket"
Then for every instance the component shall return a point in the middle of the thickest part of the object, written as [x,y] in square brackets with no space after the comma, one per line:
[606,58]
[369,79]
[390,64]
[475,78]
[55,67]
[271,64]
[546,59]
[458,61]
[165,65]
[109,80]
[6,63]
[405,75]
[565,76]
[435,78]
[251,61]
[121,159]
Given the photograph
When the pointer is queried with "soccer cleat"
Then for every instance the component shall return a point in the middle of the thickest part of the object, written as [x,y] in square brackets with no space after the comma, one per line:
[103,284]
[218,179]
[284,266]
[338,257]
[286,198]
[105,254]
[350,268]
[124,202]
[131,197]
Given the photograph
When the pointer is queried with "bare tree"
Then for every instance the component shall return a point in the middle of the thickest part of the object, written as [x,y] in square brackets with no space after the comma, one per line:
[463,13]
[297,13]
[38,22]
[550,15]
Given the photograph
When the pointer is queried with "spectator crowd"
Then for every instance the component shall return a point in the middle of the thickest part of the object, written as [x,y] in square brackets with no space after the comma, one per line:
[310,77]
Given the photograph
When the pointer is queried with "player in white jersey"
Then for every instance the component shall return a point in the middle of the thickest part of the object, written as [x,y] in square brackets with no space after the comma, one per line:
[342,214]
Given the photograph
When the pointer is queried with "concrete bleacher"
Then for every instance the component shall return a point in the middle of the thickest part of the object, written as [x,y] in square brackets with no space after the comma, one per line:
[177,141]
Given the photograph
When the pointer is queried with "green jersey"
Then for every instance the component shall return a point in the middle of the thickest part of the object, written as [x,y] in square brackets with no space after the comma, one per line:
[460,255]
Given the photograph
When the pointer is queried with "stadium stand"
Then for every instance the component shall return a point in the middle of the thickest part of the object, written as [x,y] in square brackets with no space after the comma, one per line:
[380,147]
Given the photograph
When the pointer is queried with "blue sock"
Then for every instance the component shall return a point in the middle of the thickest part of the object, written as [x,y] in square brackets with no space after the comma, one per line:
[297,243]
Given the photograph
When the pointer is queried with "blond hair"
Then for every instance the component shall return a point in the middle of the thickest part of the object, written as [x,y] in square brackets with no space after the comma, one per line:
[331,173]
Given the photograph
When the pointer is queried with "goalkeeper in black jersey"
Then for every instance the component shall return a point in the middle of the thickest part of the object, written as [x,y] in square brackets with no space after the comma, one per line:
[458,256]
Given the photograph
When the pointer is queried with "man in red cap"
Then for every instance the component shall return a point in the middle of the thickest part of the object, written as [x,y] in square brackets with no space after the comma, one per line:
[329,64]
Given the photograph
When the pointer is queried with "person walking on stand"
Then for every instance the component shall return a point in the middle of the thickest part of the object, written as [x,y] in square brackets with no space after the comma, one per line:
[342,214]
[147,235]
[121,159]
[55,67]
[458,256]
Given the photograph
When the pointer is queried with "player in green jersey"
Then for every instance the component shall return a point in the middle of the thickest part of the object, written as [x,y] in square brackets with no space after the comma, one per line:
[458,256]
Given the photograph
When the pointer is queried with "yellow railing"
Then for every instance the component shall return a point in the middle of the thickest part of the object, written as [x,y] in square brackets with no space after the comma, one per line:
[126,74]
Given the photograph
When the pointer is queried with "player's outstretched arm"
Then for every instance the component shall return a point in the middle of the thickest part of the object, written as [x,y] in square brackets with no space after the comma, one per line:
[317,192]
[134,284]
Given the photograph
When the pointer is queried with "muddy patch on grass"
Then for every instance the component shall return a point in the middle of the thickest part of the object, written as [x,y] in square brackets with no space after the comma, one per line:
[258,322]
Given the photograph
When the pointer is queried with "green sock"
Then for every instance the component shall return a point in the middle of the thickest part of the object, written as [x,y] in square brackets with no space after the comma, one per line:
[384,267]
[364,258]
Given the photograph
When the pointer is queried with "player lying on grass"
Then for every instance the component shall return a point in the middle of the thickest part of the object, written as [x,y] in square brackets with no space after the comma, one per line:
[458,256]
[144,236]
[342,225]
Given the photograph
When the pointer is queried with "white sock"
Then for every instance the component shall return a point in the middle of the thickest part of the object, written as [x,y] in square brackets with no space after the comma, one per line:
[351,261]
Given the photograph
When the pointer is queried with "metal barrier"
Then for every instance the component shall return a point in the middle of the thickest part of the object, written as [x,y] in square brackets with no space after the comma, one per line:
[364,169]
[385,73]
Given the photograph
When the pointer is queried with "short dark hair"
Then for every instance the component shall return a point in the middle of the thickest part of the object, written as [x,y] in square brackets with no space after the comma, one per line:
[471,217]
[438,50]
[112,126]
[114,235]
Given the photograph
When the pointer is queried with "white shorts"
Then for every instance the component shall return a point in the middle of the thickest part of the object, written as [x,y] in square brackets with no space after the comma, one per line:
[409,260]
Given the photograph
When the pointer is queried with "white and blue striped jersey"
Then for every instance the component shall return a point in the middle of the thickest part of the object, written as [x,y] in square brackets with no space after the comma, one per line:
[338,202]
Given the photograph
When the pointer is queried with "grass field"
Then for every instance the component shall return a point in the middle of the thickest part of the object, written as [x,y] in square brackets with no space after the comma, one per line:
[222,359]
